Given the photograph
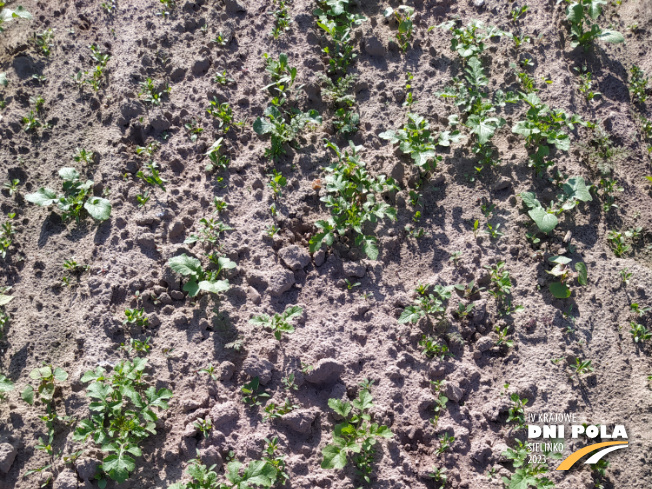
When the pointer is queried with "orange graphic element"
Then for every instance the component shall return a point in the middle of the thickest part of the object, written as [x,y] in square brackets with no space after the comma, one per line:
[575,456]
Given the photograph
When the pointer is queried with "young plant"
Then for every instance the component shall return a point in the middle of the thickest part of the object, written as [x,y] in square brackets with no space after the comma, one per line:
[47,377]
[6,385]
[274,411]
[136,317]
[222,112]
[204,426]
[433,349]
[193,130]
[122,415]
[638,84]
[469,41]
[581,14]
[278,323]
[210,371]
[76,196]
[351,194]
[346,120]
[640,333]
[253,395]
[84,156]
[43,41]
[501,282]
[574,191]
[618,243]
[542,127]
[153,177]
[517,411]
[284,127]
[259,473]
[445,443]
[562,272]
[152,94]
[403,15]
[7,15]
[582,366]
[218,161]
[430,301]
[282,18]
[416,139]
[200,279]
[209,233]
[503,339]
[586,82]
[356,435]
[6,235]
[528,469]
[439,476]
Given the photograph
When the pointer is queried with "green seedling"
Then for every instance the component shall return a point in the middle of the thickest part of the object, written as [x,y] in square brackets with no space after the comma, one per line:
[289,383]
[218,161]
[356,436]
[148,150]
[438,408]
[625,276]
[617,242]
[200,279]
[586,82]
[639,310]
[493,231]
[204,426]
[334,19]
[221,39]
[282,18]
[640,333]
[47,376]
[503,339]
[143,198]
[528,470]
[582,366]
[416,139]
[6,385]
[8,15]
[151,94]
[501,282]
[638,84]
[543,127]
[76,196]
[209,232]
[445,443]
[6,235]
[574,191]
[136,317]
[278,323]
[282,76]
[469,41]
[11,186]
[43,41]
[517,411]
[139,346]
[430,301]
[122,415]
[275,411]
[272,457]
[193,130]
[455,257]
[153,177]
[562,272]
[439,476]
[353,197]
[345,118]
[222,112]
[258,473]
[584,12]
[253,396]
[276,182]
[433,349]
[223,79]
[464,310]
[403,15]
[210,371]
[220,205]
[84,156]
[284,127]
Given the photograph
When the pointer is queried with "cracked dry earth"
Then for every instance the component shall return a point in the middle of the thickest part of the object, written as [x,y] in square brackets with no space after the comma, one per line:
[349,329]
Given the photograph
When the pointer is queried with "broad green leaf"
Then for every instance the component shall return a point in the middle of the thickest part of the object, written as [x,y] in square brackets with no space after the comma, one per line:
[262,126]
[60,374]
[364,401]
[484,128]
[575,13]
[545,221]
[20,13]
[118,466]
[98,208]
[6,385]
[559,290]
[334,457]
[369,246]
[342,408]
[389,136]
[576,188]
[3,79]
[98,390]
[192,287]
[562,260]
[41,373]
[410,314]
[226,263]
[561,141]
[27,395]
[158,398]
[614,37]
[233,471]
[594,8]
[5,299]
[42,197]
[215,287]
[185,265]
[259,473]
[582,277]
[384,431]
[68,174]
[530,200]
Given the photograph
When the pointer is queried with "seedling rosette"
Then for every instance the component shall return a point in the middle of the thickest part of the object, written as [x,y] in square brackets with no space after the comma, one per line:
[200,279]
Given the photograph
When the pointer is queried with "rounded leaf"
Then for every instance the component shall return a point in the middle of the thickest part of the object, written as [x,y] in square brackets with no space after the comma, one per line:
[98,208]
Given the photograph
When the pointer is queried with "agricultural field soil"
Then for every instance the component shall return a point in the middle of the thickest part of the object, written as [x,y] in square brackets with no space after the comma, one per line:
[349,328]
